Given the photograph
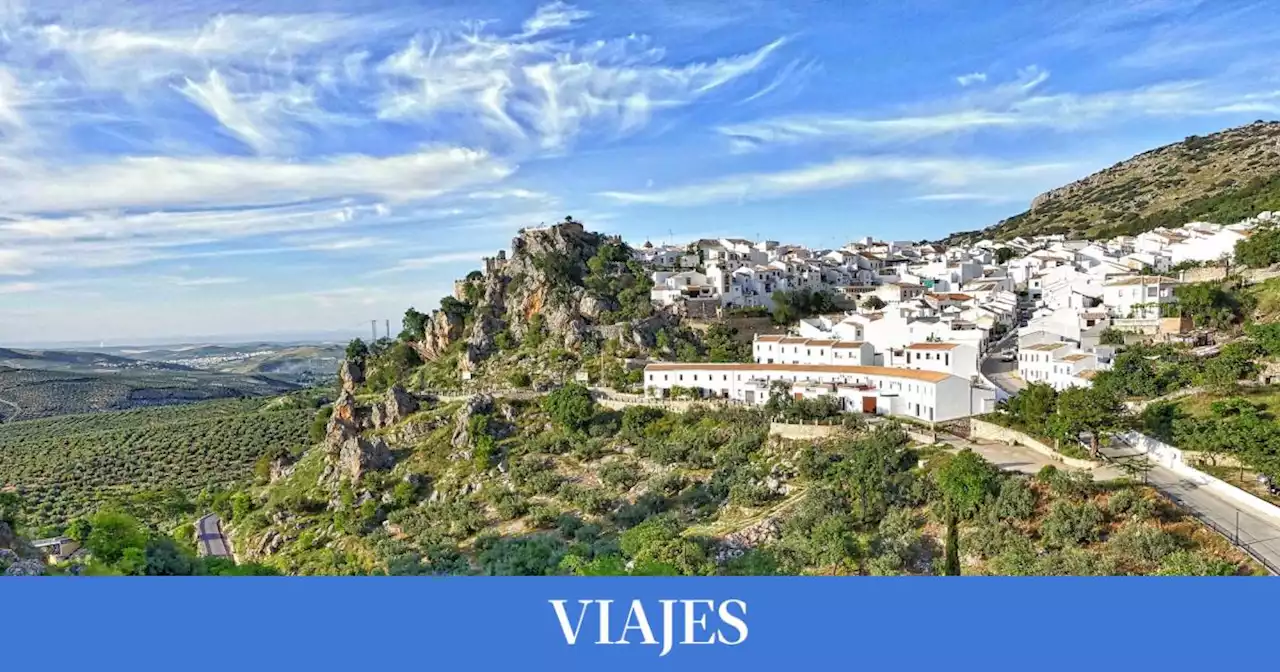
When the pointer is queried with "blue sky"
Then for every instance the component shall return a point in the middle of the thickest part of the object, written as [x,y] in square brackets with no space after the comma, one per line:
[217,168]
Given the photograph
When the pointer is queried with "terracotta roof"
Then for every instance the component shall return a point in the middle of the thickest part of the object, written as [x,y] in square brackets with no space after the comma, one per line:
[841,345]
[884,371]
[1076,357]
[821,343]
[770,338]
[1046,347]
[951,296]
[933,346]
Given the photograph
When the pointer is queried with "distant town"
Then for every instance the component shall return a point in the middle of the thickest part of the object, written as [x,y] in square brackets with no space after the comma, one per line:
[931,332]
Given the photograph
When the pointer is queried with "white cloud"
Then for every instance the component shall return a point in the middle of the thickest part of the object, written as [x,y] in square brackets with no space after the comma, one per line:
[553,16]
[971,78]
[19,287]
[542,94]
[926,172]
[9,100]
[1013,105]
[439,259]
[160,182]
[202,282]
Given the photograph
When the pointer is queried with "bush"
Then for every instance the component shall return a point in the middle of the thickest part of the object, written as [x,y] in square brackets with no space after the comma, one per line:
[1130,503]
[620,475]
[1016,501]
[1071,524]
[519,379]
[1141,545]
[570,406]
[1195,563]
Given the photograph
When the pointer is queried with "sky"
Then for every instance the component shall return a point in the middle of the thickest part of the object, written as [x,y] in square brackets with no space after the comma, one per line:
[215,169]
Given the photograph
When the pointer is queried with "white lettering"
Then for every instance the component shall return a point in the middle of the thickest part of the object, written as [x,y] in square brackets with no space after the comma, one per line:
[641,624]
[734,622]
[570,635]
[691,619]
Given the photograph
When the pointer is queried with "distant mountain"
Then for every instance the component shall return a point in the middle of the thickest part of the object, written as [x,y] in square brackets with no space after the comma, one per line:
[75,360]
[1223,177]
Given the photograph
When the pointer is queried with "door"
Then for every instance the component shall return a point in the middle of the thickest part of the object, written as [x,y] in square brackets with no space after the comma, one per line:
[869,405]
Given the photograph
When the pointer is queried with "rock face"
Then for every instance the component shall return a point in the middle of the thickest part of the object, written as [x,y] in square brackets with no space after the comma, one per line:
[17,557]
[734,545]
[358,455]
[462,439]
[441,331]
[397,406]
[351,375]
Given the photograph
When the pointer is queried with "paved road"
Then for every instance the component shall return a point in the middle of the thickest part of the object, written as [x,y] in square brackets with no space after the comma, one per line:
[210,540]
[1003,374]
[1261,535]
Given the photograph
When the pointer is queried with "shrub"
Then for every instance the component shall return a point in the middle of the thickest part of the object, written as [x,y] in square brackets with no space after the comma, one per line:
[1016,501]
[570,406]
[620,475]
[1141,545]
[1071,524]
[1130,503]
[519,379]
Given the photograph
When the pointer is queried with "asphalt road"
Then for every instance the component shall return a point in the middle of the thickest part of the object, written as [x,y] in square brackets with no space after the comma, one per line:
[1003,374]
[1261,535]
[210,540]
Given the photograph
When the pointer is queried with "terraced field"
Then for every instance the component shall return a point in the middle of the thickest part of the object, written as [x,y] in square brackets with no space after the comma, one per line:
[69,465]
[27,394]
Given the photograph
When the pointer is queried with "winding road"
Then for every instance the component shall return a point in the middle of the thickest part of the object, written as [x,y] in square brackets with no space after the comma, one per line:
[209,538]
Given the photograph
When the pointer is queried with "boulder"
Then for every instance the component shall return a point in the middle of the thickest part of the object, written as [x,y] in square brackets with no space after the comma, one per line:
[734,545]
[441,331]
[358,455]
[479,403]
[395,407]
[591,306]
[344,422]
[351,375]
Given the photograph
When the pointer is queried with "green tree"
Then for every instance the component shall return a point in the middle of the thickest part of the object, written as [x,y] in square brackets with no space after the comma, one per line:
[1004,254]
[357,351]
[113,534]
[571,406]
[10,508]
[1261,249]
[873,303]
[1086,409]
[414,325]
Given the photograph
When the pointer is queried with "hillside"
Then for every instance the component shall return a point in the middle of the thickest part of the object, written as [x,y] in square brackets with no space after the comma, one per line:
[79,361]
[297,363]
[561,485]
[1223,177]
[69,466]
[28,393]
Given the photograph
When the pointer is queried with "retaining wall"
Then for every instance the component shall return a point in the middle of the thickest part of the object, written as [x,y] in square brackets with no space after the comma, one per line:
[980,429]
[1175,460]
[787,430]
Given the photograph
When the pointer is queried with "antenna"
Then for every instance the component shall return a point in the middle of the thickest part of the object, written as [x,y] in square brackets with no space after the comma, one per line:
[386,327]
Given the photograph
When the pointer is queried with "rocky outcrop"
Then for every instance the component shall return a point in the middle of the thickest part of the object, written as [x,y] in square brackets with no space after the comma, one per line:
[17,557]
[395,407]
[462,439]
[351,375]
[358,455]
[345,421]
[440,332]
[734,545]
[641,333]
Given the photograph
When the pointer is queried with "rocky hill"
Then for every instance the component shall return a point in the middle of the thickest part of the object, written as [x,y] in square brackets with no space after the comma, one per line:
[1223,177]
[562,288]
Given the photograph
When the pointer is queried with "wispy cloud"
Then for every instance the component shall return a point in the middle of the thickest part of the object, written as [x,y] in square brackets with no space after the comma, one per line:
[543,94]
[159,182]
[202,282]
[19,287]
[927,173]
[1007,106]
[971,78]
[430,260]
[552,16]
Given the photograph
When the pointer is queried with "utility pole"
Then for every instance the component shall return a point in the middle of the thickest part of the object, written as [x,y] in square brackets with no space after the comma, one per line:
[373,329]
[386,324]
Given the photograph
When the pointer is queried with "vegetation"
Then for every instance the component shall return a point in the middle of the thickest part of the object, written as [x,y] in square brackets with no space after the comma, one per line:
[1223,177]
[1262,249]
[69,466]
[1067,418]
[791,306]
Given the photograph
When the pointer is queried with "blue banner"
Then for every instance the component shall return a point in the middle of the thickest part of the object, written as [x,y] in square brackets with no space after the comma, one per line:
[370,624]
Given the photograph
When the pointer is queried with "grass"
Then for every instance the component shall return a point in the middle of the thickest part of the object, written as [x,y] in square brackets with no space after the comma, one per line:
[1248,483]
[1267,295]
[1200,405]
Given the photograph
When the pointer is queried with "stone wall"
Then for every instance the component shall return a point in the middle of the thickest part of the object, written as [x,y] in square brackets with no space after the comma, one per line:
[1178,462]
[980,429]
[747,327]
